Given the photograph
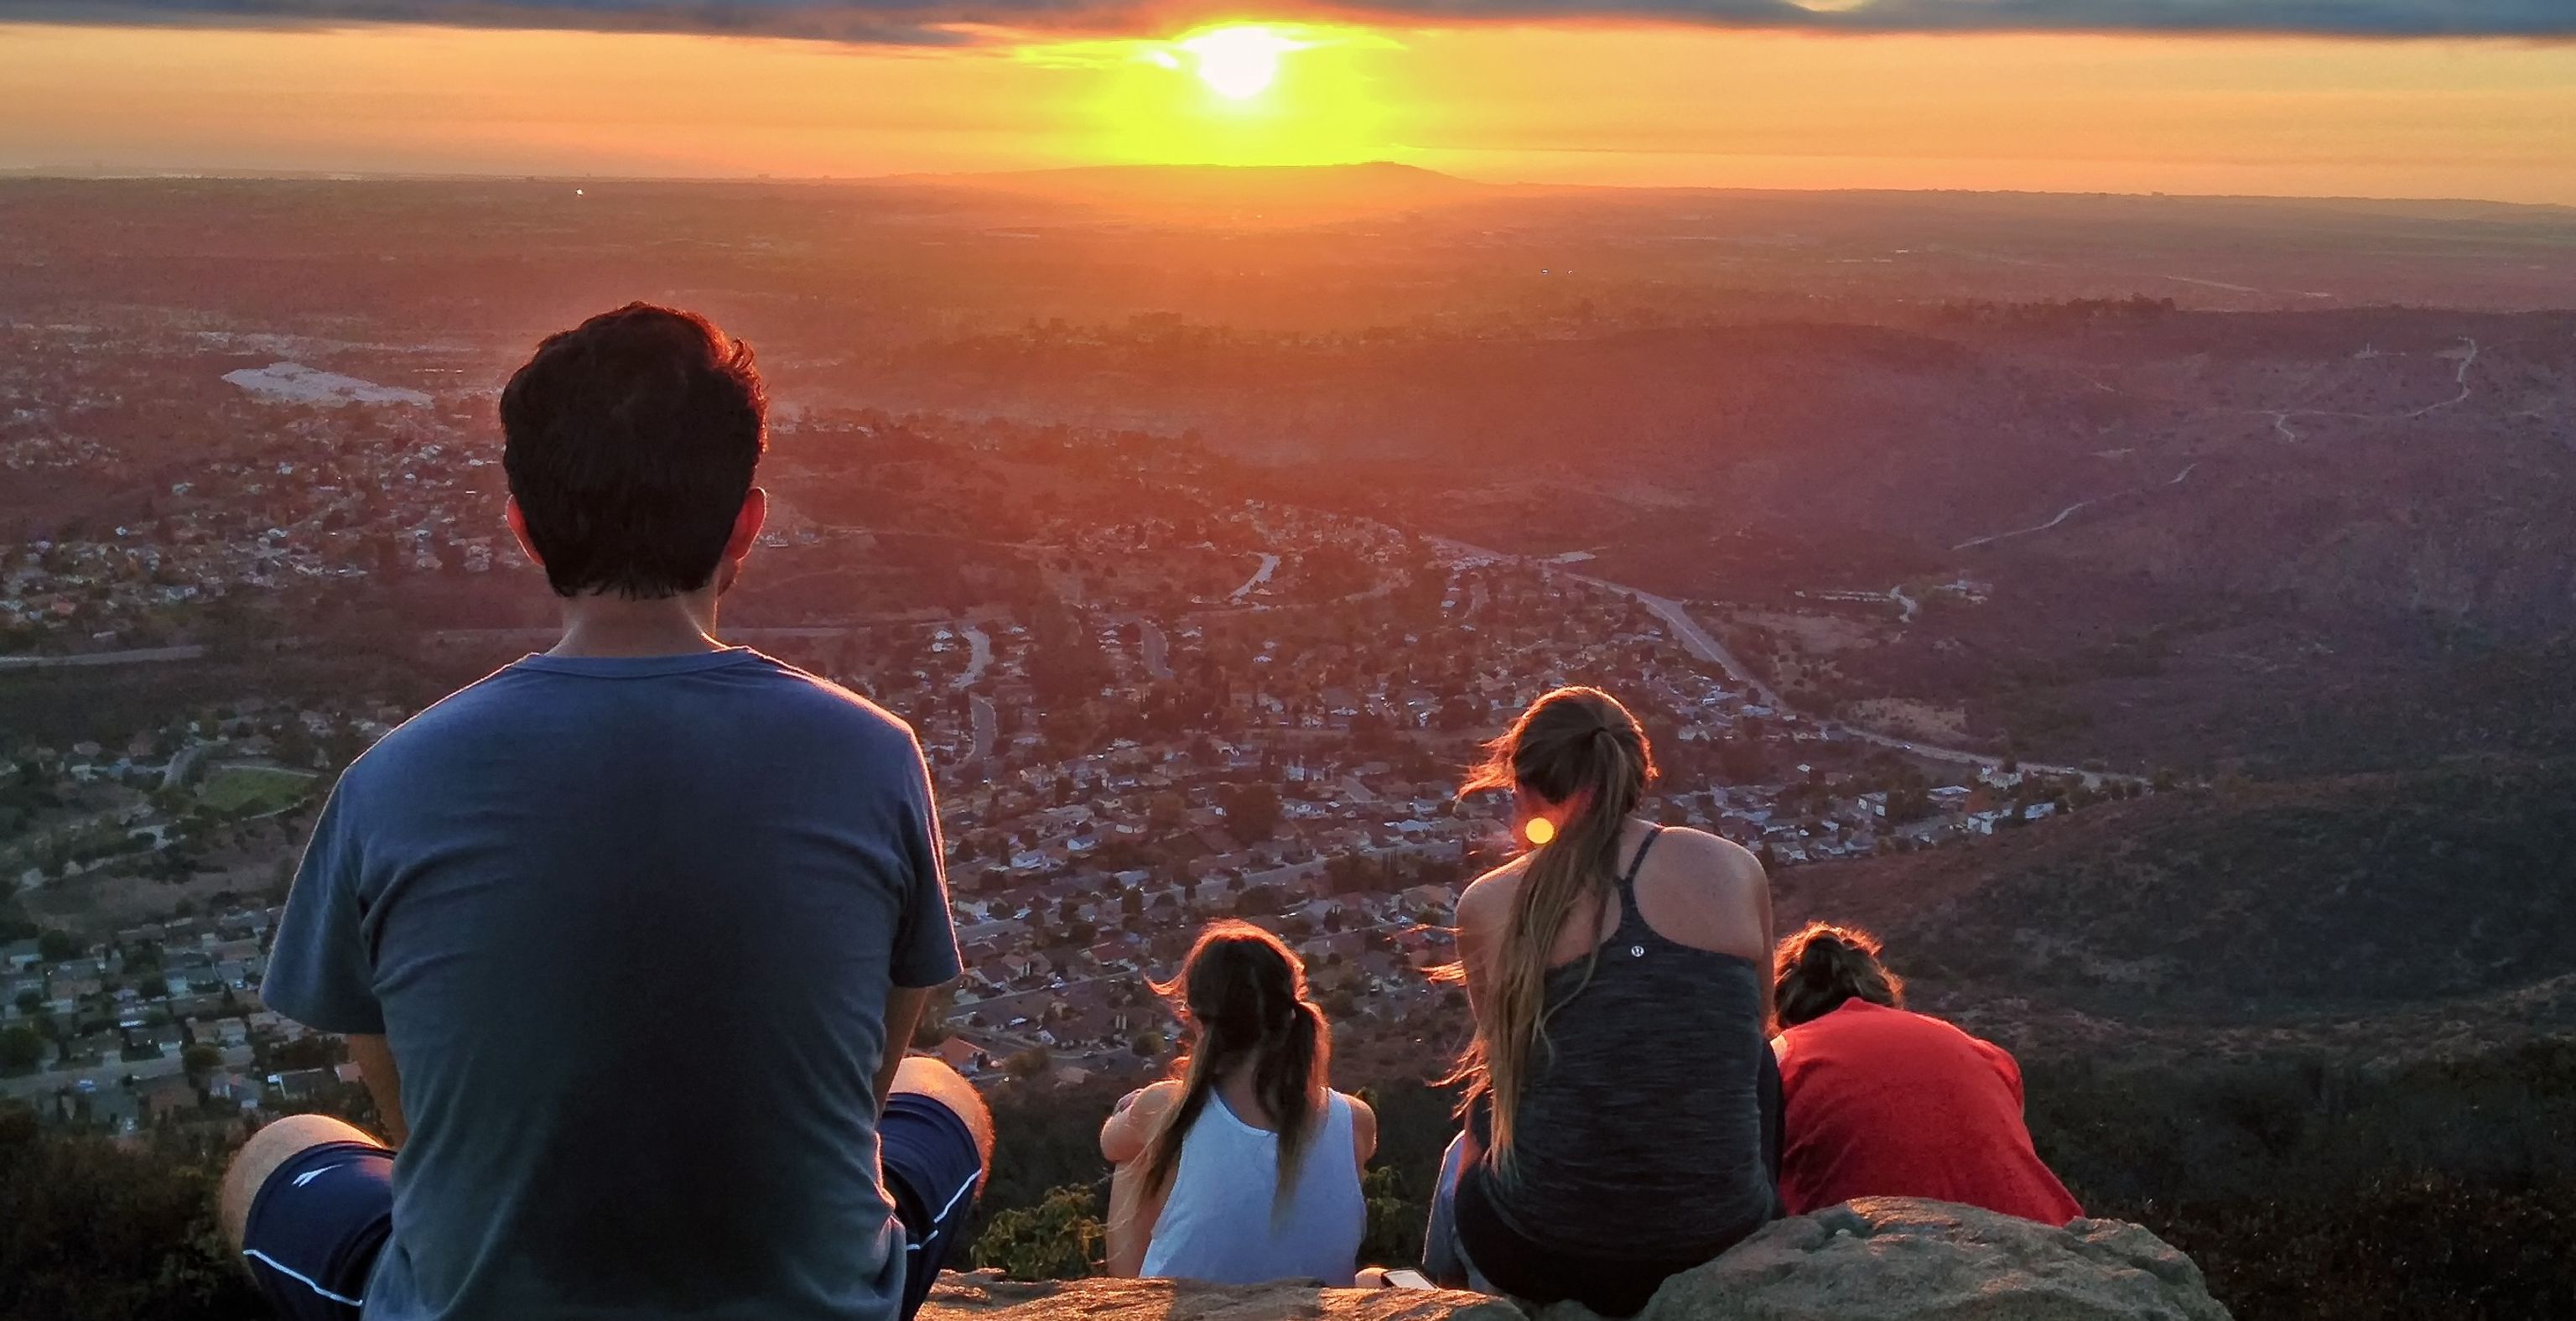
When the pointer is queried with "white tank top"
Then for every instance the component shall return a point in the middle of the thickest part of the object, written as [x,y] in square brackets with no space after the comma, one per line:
[1217,1224]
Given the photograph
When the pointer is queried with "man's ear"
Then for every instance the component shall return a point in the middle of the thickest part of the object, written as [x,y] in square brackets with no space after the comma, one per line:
[518,521]
[747,524]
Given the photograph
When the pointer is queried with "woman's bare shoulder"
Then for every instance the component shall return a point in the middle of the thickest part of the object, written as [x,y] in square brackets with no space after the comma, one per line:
[1714,857]
[1706,892]
[1153,1098]
[1488,898]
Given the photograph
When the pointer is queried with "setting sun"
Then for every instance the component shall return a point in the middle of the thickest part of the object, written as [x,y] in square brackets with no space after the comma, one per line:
[1232,94]
[1238,62]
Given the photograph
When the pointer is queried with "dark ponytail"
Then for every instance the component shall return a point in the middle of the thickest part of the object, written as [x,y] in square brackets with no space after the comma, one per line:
[1814,972]
[1242,992]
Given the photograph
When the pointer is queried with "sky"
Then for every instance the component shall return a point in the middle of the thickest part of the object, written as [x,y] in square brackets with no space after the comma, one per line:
[2382,98]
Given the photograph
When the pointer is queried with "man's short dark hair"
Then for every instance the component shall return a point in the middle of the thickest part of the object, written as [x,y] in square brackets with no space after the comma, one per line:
[630,442]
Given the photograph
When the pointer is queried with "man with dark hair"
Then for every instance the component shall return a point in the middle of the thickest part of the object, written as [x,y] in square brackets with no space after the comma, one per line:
[627,938]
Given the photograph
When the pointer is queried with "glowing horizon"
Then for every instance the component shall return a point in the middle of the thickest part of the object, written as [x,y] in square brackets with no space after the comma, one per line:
[1590,103]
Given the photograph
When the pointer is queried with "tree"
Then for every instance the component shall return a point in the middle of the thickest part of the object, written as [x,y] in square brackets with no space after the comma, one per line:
[303,1053]
[29,1001]
[1251,811]
[95,1230]
[1059,1238]
[20,1048]
[54,946]
[201,1059]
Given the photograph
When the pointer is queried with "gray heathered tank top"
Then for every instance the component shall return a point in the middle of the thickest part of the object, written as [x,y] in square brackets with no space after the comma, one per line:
[1639,1133]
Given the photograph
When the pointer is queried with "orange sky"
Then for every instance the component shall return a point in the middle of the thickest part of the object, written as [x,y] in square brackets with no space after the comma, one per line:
[1590,103]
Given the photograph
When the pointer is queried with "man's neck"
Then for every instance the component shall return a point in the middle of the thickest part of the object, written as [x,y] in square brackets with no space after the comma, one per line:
[609,626]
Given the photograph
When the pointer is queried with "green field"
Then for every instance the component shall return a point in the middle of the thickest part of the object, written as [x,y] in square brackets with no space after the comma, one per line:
[256,788]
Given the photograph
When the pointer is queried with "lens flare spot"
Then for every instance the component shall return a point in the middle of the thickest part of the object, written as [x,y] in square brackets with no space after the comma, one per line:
[1539,831]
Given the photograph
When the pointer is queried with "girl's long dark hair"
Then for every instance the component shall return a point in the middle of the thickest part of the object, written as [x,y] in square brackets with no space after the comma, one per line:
[1242,994]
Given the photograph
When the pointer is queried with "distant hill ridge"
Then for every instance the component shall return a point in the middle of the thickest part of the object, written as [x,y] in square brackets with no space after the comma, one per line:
[1302,194]
[2247,903]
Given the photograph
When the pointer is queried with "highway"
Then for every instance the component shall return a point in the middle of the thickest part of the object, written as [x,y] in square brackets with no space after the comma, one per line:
[139,656]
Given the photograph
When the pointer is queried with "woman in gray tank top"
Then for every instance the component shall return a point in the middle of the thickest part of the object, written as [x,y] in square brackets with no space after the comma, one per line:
[1622,1099]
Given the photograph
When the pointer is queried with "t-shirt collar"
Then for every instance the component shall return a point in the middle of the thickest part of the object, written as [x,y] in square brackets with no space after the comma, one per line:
[634,667]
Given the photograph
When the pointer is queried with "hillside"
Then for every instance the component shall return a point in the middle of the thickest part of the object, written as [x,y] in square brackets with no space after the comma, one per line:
[2444,893]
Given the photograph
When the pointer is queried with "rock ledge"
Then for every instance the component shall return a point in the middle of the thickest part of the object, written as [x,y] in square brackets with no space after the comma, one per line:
[1877,1259]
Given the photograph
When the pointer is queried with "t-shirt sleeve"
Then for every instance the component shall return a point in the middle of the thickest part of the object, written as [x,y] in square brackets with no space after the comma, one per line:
[319,973]
[925,946]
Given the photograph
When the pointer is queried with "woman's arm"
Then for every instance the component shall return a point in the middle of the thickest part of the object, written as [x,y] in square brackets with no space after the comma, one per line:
[1123,1140]
[1134,1123]
[1131,1221]
[1363,1132]
[1761,882]
[1482,910]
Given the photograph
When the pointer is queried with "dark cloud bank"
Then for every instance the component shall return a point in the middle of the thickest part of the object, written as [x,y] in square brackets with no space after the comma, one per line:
[911,22]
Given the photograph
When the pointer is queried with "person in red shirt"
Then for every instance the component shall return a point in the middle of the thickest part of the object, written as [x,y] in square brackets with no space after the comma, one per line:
[1879,1102]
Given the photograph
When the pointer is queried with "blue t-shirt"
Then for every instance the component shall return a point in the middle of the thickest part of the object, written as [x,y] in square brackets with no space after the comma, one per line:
[629,927]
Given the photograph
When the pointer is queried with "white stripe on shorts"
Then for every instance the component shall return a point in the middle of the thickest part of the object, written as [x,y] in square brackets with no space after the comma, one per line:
[301,1278]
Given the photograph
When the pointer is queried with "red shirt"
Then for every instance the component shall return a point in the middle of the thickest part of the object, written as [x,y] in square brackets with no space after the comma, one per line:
[1878,1102]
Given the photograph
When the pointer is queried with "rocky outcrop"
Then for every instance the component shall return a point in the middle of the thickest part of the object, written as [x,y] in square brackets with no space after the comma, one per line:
[1899,1259]
[986,1297]
[1878,1259]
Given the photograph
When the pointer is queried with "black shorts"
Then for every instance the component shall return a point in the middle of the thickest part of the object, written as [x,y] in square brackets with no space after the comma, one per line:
[318,1222]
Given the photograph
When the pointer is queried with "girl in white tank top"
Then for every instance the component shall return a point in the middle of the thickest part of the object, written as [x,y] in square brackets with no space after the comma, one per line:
[1247,1167]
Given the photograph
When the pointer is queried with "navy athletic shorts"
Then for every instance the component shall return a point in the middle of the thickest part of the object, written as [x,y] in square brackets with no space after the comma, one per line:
[317,1224]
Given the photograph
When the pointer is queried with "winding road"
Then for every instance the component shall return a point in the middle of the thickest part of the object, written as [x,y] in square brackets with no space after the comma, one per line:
[988,728]
[979,657]
[2281,423]
[1269,566]
[2071,511]
[1157,649]
[1699,642]
[2460,378]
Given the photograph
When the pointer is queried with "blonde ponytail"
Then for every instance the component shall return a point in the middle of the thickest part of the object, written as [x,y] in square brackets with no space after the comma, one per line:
[1579,749]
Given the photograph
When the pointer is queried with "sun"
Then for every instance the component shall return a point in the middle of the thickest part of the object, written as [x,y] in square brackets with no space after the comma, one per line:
[1240,92]
[1238,63]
